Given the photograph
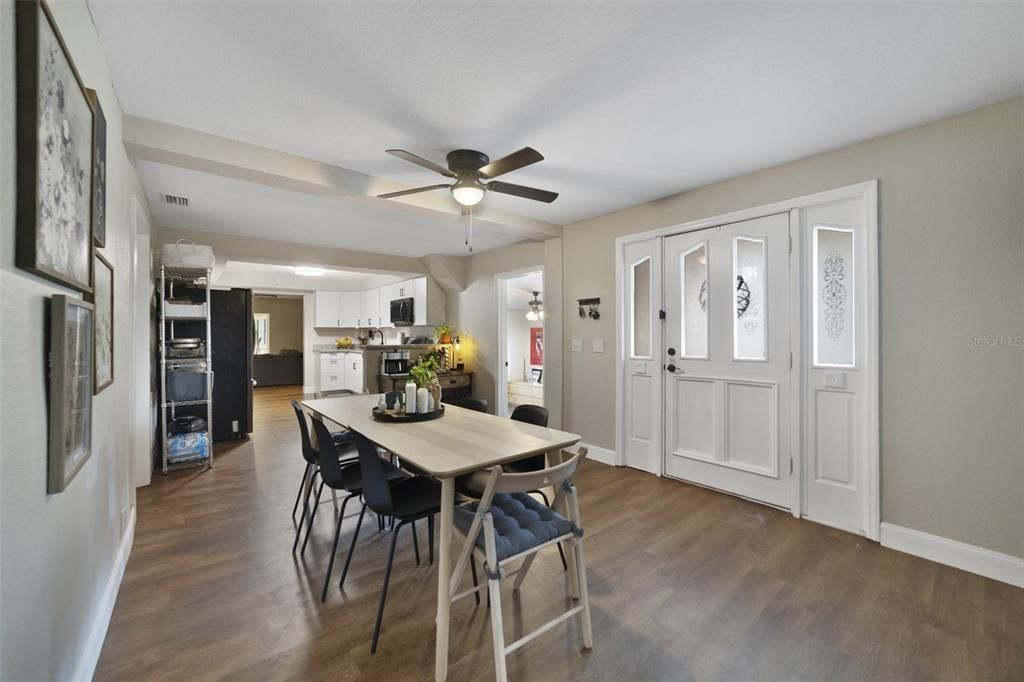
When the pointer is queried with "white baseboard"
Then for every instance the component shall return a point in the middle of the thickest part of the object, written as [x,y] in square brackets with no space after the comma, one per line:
[599,454]
[984,562]
[91,656]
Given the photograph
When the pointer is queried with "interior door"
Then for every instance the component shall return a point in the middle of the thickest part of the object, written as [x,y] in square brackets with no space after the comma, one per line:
[727,358]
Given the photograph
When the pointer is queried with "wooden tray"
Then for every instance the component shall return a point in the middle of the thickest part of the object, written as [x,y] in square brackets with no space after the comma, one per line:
[385,416]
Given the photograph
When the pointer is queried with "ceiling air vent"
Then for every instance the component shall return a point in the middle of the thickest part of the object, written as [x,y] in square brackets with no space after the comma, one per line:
[175,200]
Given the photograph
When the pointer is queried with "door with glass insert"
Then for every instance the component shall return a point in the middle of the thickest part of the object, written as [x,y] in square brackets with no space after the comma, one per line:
[727,358]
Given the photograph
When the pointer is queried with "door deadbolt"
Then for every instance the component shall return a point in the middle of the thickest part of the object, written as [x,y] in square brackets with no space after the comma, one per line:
[671,351]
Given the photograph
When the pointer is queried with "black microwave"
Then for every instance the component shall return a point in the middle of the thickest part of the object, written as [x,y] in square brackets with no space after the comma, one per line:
[402,314]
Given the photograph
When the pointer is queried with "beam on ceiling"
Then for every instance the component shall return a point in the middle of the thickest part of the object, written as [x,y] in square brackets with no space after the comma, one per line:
[172,145]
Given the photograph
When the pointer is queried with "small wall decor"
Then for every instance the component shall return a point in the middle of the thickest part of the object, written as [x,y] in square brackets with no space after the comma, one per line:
[536,345]
[103,303]
[55,141]
[536,375]
[71,385]
[589,308]
[99,172]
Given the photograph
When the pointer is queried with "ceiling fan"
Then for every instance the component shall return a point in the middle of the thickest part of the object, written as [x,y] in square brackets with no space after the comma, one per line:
[474,175]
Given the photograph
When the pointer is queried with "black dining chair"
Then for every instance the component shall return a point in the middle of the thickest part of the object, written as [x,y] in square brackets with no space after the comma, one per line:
[344,476]
[407,501]
[344,448]
[471,403]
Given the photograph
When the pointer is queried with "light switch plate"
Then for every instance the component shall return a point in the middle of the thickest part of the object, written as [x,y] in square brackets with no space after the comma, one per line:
[577,345]
[598,345]
[835,380]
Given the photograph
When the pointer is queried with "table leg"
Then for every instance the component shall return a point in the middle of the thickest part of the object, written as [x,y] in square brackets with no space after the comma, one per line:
[444,569]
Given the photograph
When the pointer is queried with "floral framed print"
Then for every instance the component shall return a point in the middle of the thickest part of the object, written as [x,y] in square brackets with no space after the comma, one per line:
[99,171]
[103,305]
[71,382]
[55,154]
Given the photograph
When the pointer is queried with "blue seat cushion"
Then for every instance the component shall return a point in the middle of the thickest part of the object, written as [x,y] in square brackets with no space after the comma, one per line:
[520,523]
[343,437]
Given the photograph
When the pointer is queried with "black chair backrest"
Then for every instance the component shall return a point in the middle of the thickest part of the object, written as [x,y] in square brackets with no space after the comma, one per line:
[330,467]
[531,414]
[471,403]
[308,453]
[376,491]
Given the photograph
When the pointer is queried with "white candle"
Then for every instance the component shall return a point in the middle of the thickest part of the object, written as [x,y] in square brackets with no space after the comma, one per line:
[410,397]
[423,401]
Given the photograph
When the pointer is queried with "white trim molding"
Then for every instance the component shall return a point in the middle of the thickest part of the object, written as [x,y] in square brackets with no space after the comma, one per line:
[599,454]
[983,562]
[86,668]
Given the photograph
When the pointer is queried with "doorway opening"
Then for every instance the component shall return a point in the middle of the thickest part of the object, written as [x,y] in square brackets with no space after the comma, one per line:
[520,379]
[278,340]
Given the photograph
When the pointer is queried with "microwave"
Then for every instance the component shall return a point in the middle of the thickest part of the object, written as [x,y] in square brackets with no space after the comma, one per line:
[402,312]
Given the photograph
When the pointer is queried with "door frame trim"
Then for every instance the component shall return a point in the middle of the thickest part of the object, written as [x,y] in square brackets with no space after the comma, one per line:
[867,192]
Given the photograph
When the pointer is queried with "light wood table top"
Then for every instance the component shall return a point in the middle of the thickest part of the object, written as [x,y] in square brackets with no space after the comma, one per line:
[460,442]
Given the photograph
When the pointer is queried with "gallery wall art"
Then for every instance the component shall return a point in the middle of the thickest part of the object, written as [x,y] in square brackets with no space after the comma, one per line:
[103,303]
[71,386]
[99,171]
[55,154]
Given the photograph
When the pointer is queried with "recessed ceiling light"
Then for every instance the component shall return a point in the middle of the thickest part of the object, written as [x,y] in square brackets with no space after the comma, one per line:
[309,272]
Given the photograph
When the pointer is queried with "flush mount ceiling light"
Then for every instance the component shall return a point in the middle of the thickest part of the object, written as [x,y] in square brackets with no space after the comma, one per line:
[536,311]
[309,272]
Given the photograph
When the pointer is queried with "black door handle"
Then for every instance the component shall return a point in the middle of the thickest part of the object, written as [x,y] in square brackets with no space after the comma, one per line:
[671,368]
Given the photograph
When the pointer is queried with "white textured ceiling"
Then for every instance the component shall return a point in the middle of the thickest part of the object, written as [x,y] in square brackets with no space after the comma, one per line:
[628,101]
[230,206]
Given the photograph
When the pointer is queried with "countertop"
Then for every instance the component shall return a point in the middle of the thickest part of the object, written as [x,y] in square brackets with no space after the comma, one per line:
[377,347]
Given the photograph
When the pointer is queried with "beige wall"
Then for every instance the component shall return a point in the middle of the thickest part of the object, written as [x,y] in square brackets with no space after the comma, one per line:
[952,252]
[285,321]
[474,311]
[60,553]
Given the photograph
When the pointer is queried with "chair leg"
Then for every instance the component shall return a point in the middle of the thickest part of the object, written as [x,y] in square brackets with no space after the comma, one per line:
[302,486]
[430,538]
[494,593]
[316,505]
[476,583]
[581,570]
[352,547]
[415,541]
[334,549]
[384,589]
[561,552]
[305,511]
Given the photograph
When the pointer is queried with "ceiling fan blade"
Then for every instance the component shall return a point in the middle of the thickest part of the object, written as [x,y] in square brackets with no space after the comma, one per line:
[522,191]
[420,161]
[514,161]
[392,195]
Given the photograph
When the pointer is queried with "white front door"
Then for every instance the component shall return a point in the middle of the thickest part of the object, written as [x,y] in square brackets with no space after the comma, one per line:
[642,303]
[727,358]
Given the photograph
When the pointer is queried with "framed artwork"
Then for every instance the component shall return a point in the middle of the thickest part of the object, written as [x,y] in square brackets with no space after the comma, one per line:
[55,154]
[536,345]
[71,377]
[536,375]
[99,171]
[103,306]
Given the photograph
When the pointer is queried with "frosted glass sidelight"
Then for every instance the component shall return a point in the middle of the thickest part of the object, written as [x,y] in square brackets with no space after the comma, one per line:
[749,332]
[693,273]
[832,260]
[642,309]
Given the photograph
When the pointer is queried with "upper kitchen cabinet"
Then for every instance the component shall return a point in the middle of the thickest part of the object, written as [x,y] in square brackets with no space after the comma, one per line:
[371,311]
[336,308]
[428,300]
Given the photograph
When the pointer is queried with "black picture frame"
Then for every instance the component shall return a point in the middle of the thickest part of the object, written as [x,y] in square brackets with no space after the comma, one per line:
[536,375]
[99,171]
[53,213]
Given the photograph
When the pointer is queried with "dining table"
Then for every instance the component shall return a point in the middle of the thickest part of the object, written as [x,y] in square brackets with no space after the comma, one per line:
[461,441]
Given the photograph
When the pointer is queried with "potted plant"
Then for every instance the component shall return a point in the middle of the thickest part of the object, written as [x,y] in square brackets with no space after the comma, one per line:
[443,333]
[424,372]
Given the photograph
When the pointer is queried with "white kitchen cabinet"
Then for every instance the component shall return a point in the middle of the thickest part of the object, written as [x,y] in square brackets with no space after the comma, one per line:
[335,309]
[369,308]
[354,372]
[327,308]
[348,312]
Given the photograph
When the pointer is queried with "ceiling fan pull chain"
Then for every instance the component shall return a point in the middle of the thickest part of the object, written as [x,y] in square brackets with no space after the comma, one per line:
[470,242]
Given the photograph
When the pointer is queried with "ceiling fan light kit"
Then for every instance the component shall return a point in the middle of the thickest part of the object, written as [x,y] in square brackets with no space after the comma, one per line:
[471,170]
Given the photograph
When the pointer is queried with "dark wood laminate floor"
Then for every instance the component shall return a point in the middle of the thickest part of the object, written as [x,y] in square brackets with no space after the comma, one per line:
[686,584]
